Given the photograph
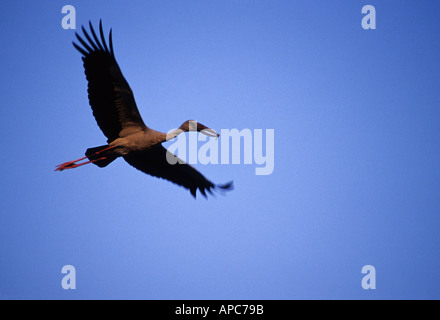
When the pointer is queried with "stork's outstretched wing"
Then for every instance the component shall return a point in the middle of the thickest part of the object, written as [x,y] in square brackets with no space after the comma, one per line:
[154,162]
[110,96]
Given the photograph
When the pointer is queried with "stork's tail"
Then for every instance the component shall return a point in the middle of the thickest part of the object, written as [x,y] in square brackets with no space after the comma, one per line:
[226,187]
[101,156]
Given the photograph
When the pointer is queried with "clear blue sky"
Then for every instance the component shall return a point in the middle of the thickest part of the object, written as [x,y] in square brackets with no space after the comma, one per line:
[356,182]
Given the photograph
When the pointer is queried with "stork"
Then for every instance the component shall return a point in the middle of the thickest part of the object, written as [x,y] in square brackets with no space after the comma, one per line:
[118,117]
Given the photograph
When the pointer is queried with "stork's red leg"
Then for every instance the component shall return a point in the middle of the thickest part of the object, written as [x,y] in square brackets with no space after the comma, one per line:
[67,165]
[73,164]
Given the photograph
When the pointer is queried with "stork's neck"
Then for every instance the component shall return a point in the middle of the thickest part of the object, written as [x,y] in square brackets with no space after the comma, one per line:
[171,135]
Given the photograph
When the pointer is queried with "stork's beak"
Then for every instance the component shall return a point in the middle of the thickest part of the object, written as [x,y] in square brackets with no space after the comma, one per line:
[207,131]
[210,133]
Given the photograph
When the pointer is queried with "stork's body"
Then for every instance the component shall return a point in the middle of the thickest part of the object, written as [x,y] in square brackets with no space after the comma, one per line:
[143,140]
[116,113]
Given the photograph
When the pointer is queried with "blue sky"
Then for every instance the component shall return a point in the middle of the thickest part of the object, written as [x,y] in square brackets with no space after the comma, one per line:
[356,177]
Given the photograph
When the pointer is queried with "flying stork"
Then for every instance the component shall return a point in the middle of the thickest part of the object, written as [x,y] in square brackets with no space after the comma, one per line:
[118,117]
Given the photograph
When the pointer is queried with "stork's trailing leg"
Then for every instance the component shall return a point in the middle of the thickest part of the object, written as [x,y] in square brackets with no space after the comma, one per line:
[96,155]
[73,164]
